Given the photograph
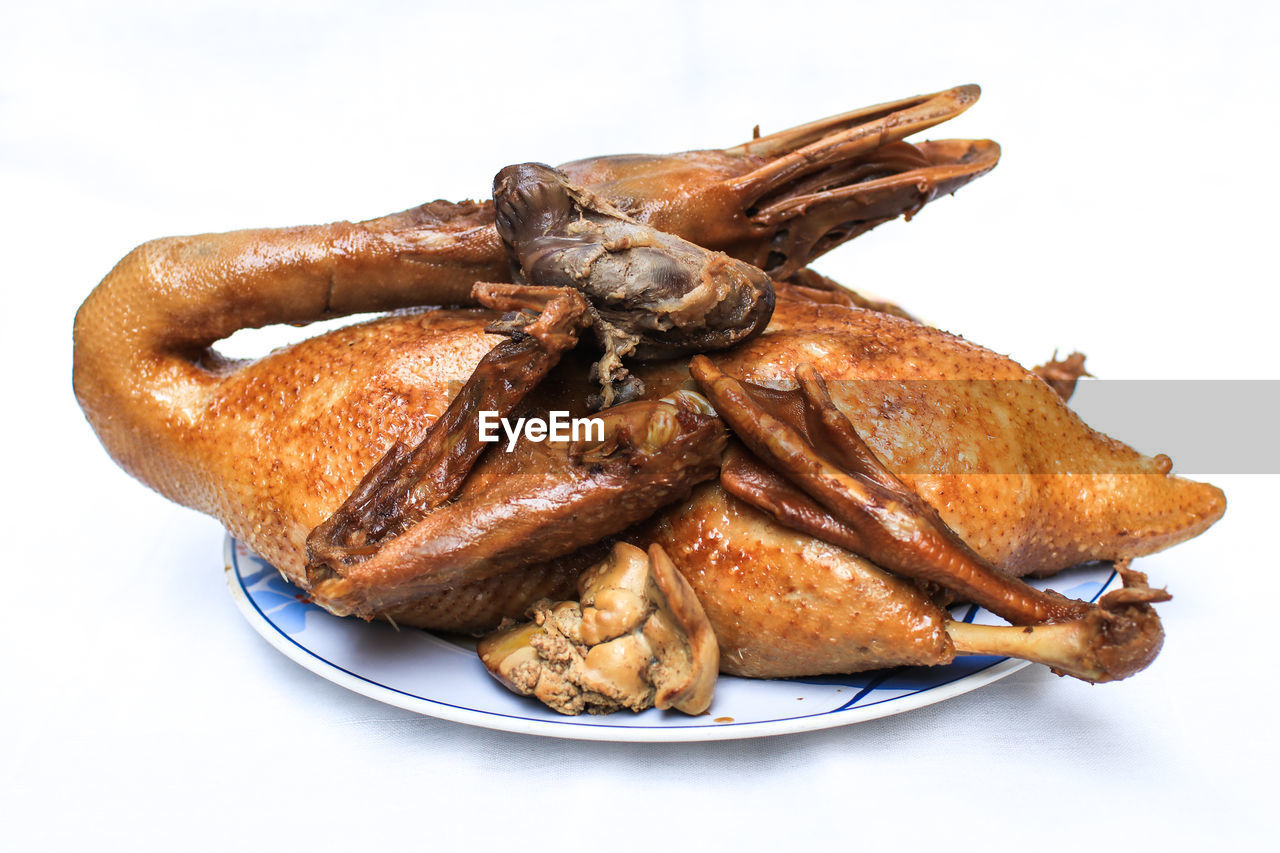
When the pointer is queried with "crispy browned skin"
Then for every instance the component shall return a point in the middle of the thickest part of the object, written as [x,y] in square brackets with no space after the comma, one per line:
[143,368]
[809,469]
[534,504]
[1006,464]
[807,285]
[784,603]
[274,447]
[325,410]
[409,484]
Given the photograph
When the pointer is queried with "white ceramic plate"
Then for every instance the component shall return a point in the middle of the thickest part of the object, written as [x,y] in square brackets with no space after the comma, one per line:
[439,677]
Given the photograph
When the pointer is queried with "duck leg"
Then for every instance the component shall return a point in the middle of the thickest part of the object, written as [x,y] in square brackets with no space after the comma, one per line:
[1117,638]
[814,473]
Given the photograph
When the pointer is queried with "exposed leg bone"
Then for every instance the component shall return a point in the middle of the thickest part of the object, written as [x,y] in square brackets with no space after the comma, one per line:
[1118,638]
[823,480]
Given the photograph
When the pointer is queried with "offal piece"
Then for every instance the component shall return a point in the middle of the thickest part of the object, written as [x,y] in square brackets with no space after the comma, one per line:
[637,639]
[653,295]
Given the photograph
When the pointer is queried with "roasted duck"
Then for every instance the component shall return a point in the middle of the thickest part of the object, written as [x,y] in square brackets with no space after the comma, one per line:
[823,473]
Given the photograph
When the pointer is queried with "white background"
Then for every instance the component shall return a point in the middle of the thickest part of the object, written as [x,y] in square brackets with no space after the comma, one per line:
[1132,217]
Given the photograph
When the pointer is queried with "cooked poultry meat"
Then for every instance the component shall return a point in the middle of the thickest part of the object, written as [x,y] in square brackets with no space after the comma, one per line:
[915,449]
[419,521]
[638,639]
[652,294]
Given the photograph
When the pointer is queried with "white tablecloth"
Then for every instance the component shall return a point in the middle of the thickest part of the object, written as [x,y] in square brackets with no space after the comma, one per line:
[1131,219]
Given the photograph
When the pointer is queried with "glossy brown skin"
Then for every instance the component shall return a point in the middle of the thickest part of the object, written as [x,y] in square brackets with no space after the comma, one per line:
[143,368]
[411,482]
[807,464]
[784,603]
[802,462]
[274,447]
[533,504]
[773,606]
[1003,497]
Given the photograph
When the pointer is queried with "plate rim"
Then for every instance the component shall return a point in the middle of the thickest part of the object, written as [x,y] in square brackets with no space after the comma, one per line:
[577,728]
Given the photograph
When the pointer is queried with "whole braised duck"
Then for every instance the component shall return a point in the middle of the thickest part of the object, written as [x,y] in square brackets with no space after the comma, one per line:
[810,477]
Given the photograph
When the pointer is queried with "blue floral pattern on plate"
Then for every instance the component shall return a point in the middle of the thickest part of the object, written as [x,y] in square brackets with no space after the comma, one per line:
[442,677]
